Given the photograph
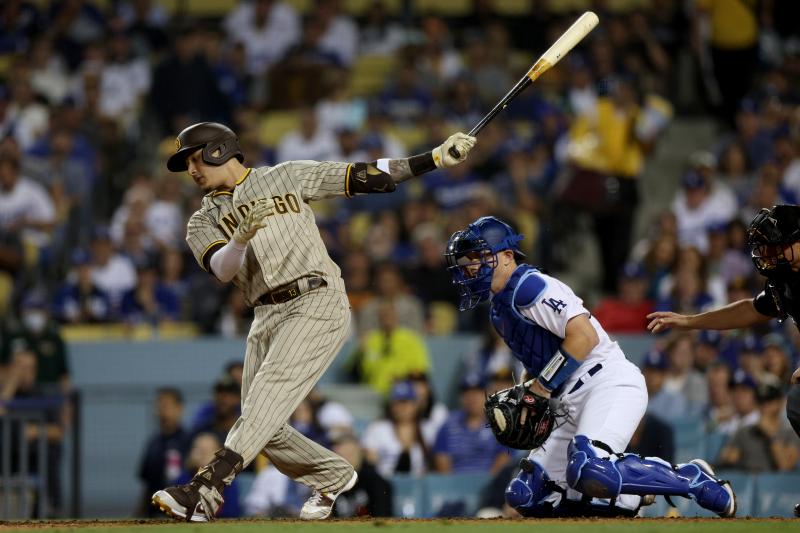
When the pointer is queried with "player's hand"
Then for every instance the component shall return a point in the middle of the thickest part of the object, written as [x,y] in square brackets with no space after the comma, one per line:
[538,388]
[255,219]
[462,142]
[664,320]
[796,377]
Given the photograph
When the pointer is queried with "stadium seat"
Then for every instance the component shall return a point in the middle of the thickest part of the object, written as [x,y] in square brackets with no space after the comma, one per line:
[450,8]
[410,136]
[777,494]
[370,74]
[301,6]
[453,494]
[360,400]
[408,498]
[513,8]
[447,362]
[359,8]
[276,124]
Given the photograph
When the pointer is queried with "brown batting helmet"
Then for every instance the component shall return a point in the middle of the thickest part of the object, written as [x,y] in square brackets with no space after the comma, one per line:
[211,137]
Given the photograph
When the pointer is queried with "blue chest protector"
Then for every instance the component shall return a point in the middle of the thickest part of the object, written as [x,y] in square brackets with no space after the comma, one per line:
[530,343]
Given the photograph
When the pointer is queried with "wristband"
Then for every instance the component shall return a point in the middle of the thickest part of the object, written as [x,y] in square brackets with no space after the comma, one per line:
[422,163]
[558,370]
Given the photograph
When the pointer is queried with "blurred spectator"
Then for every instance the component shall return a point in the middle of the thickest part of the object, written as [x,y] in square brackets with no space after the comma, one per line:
[493,356]
[357,278]
[25,206]
[49,76]
[432,414]
[19,21]
[465,443]
[23,389]
[206,412]
[682,378]
[438,63]
[150,302]
[201,452]
[37,333]
[79,300]
[113,273]
[775,359]
[607,147]
[392,289]
[406,100]
[744,402]
[266,28]
[653,437]
[339,111]
[720,397]
[186,67]
[379,34]
[432,281]
[663,403]
[124,81]
[707,349]
[75,24]
[339,33]
[628,312]
[28,114]
[145,21]
[164,454]
[227,406]
[733,46]
[390,352]
[767,445]
[311,52]
[235,317]
[696,209]
[309,141]
[395,444]
[372,494]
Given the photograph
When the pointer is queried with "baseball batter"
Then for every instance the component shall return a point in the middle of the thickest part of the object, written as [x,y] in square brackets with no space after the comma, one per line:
[578,468]
[256,229]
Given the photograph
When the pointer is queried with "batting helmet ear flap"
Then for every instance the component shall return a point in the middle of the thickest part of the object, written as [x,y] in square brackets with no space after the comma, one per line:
[224,148]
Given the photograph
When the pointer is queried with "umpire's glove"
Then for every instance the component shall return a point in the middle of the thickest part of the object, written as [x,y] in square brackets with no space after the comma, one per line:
[442,156]
[255,219]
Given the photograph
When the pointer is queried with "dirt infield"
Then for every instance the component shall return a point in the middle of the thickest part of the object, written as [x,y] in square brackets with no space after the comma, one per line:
[639,525]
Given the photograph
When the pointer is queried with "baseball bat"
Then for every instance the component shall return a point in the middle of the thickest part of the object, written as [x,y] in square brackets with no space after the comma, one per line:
[574,34]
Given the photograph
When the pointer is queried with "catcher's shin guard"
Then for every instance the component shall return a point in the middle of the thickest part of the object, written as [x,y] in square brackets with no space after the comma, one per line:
[631,474]
[527,491]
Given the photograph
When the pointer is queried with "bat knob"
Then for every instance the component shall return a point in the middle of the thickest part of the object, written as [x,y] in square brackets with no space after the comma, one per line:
[453,151]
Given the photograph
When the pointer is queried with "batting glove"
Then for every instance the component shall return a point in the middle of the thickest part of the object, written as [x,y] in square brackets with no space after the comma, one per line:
[255,219]
[462,142]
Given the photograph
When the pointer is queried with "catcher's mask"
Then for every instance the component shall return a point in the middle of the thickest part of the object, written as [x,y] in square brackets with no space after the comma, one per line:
[219,143]
[770,233]
[472,257]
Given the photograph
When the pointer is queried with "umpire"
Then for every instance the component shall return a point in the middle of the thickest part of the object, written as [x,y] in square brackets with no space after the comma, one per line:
[774,241]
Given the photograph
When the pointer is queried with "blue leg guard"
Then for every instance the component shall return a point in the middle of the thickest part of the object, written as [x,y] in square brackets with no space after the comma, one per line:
[631,474]
[527,491]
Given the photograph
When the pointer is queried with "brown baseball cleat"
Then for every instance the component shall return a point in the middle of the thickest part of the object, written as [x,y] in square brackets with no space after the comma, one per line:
[182,502]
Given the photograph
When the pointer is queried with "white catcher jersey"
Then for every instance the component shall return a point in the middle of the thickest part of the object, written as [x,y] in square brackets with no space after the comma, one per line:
[557,294]
[290,246]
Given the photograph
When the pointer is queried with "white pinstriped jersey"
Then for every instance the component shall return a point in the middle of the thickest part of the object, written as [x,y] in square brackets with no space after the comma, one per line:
[290,246]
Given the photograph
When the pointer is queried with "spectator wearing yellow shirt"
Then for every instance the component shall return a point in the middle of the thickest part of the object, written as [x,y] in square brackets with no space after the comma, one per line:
[390,352]
[733,27]
[607,147]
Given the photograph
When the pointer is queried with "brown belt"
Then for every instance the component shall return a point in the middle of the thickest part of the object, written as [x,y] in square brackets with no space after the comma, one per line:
[290,291]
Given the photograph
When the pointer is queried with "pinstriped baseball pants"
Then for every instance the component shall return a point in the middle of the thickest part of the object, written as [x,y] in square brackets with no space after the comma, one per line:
[289,347]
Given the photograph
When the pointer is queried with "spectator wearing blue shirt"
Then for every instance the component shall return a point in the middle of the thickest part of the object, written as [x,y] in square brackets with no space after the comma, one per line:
[79,300]
[666,405]
[150,301]
[163,456]
[465,444]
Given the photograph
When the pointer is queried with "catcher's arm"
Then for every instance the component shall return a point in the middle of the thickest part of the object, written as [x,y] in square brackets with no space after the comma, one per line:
[580,339]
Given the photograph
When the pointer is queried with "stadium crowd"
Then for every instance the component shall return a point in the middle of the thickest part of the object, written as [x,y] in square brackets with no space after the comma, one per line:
[92,224]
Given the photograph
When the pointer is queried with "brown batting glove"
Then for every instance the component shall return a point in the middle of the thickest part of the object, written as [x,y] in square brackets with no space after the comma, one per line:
[255,219]
[442,157]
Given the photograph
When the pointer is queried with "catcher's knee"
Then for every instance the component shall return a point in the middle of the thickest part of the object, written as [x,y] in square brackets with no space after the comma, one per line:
[527,491]
[589,474]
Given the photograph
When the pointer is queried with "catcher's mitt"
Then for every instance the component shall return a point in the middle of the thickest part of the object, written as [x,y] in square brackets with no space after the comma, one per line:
[519,418]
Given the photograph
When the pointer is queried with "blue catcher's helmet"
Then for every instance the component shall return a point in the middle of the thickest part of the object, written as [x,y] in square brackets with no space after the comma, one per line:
[477,246]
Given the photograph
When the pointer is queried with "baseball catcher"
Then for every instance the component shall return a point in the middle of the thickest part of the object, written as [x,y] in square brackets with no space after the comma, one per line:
[575,467]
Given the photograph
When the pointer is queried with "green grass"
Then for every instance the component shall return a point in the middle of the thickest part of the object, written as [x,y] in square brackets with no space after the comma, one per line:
[426,526]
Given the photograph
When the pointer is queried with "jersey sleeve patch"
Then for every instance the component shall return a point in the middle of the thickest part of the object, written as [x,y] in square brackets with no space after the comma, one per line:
[529,289]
